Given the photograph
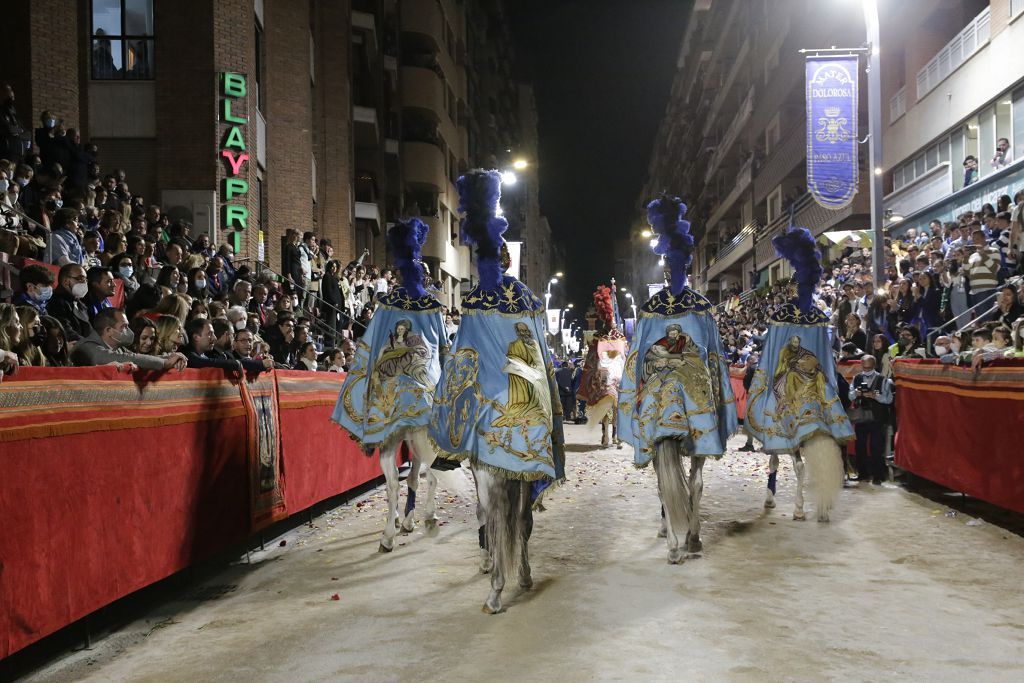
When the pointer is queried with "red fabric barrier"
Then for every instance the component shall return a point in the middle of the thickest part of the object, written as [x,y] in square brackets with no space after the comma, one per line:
[960,430]
[111,482]
[736,373]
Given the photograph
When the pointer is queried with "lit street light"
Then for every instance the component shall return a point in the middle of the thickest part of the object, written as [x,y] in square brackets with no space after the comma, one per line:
[508,178]
[520,164]
[645,233]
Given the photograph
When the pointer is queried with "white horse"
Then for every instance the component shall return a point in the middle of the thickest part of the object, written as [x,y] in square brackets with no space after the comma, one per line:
[423,455]
[823,460]
[506,512]
[680,498]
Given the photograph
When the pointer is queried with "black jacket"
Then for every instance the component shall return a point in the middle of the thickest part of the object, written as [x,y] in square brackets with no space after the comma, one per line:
[71,313]
[199,360]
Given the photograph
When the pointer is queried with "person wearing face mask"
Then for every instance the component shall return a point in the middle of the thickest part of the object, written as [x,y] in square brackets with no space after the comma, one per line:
[236,317]
[124,270]
[66,304]
[29,349]
[36,287]
[47,136]
[197,284]
[108,342]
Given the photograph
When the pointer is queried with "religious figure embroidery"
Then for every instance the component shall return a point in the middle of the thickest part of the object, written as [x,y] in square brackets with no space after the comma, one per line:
[798,379]
[529,400]
[672,361]
[405,354]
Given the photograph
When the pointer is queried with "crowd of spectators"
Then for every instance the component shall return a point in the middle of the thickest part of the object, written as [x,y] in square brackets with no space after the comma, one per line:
[78,237]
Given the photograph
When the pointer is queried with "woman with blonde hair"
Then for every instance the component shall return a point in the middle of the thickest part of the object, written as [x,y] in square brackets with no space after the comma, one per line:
[28,350]
[170,335]
[177,305]
[10,337]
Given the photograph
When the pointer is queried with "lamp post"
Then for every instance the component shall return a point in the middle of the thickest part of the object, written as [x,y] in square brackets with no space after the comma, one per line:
[632,304]
[875,135]
[547,292]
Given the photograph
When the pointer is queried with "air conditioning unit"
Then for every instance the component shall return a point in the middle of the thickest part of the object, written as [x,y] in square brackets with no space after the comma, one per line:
[198,207]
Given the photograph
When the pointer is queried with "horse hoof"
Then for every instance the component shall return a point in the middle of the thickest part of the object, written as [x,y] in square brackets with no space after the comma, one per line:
[409,525]
[384,549]
[675,557]
[823,519]
[769,504]
[799,516]
[432,527]
[526,583]
[488,608]
[694,546]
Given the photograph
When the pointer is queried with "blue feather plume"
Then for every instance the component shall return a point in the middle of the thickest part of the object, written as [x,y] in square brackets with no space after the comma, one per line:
[797,246]
[479,193]
[406,239]
[675,242]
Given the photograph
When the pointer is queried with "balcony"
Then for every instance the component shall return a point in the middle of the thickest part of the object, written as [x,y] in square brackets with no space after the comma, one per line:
[422,89]
[731,134]
[369,212]
[423,165]
[971,38]
[367,133]
[739,61]
[735,250]
[743,180]
[816,218]
[423,18]
[786,156]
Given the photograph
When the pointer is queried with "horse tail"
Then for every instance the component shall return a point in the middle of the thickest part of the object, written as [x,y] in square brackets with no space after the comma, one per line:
[506,529]
[825,468]
[669,466]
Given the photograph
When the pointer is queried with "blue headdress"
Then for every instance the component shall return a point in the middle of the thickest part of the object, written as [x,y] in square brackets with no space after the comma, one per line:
[675,242]
[797,246]
[406,239]
[482,227]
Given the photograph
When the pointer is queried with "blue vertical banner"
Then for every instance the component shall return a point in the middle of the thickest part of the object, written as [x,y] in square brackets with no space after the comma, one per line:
[832,169]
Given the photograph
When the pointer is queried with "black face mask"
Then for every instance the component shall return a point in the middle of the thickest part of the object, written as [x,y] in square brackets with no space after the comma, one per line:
[39,337]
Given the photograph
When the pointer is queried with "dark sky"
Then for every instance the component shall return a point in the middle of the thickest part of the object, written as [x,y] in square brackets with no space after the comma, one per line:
[602,70]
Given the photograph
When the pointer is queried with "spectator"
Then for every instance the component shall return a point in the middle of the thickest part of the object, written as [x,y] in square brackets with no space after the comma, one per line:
[13,138]
[216,285]
[982,268]
[292,257]
[306,357]
[970,169]
[236,317]
[66,304]
[201,343]
[199,309]
[242,346]
[124,270]
[197,287]
[29,348]
[853,333]
[241,294]
[144,331]
[101,288]
[55,347]
[1008,307]
[170,335]
[114,245]
[224,335]
[348,348]
[168,280]
[333,360]
[36,287]
[871,393]
[65,245]
[880,351]
[91,247]
[10,337]
[928,301]
[330,292]
[144,301]
[1003,154]
[279,337]
[258,304]
[108,344]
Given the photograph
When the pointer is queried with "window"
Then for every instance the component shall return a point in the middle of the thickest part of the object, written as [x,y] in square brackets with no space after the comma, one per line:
[258,71]
[122,39]
[775,204]
[1018,123]
[771,135]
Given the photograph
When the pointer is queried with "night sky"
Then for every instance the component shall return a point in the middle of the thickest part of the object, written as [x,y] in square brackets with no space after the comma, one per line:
[602,70]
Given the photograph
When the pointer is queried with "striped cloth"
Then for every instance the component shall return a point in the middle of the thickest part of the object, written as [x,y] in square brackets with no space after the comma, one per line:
[983,269]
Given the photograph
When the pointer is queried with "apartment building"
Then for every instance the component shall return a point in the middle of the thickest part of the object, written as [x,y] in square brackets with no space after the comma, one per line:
[953,80]
[250,117]
[732,141]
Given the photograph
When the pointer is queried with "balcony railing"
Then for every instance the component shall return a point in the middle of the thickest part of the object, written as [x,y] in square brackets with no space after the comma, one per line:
[749,230]
[738,121]
[972,38]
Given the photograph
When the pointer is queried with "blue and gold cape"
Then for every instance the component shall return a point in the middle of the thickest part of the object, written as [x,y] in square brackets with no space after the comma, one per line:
[793,392]
[497,402]
[676,382]
[390,388]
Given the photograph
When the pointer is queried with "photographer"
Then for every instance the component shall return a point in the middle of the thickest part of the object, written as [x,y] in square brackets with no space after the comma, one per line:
[871,396]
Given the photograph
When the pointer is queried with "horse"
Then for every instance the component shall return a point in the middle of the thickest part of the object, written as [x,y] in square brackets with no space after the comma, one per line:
[680,497]
[423,456]
[821,457]
[505,510]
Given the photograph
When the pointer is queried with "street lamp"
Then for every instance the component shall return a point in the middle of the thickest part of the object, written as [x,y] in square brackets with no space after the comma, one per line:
[632,302]
[645,233]
[520,164]
[547,292]
[508,178]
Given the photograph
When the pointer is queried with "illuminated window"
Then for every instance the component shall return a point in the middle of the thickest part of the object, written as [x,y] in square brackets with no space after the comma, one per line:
[122,39]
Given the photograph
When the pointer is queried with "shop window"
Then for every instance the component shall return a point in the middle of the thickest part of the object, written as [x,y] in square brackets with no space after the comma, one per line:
[122,39]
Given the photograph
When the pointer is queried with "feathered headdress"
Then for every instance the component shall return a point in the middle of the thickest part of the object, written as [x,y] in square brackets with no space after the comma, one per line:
[603,306]
[479,192]
[406,239]
[797,246]
[675,242]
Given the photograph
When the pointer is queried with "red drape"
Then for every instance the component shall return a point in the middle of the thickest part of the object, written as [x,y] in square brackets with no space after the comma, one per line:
[961,430]
[112,482]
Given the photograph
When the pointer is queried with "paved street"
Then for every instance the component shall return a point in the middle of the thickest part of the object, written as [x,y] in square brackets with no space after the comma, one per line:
[894,588]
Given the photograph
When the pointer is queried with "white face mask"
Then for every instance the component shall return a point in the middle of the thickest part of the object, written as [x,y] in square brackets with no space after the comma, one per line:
[239,324]
[941,350]
[79,290]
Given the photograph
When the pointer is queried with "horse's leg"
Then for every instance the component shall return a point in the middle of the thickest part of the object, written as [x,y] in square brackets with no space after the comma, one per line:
[798,467]
[390,469]
[482,501]
[412,482]
[494,500]
[672,486]
[526,514]
[663,529]
[604,432]
[425,453]
[693,543]
[773,472]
